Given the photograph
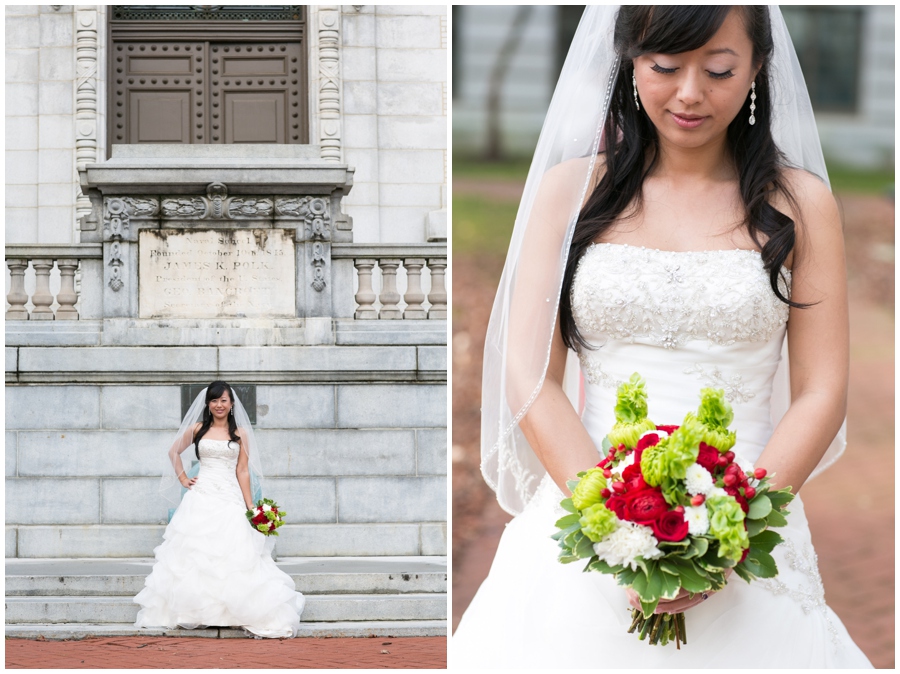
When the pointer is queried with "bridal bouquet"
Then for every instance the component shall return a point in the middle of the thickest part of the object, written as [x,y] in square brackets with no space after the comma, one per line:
[266,517]
[671,508]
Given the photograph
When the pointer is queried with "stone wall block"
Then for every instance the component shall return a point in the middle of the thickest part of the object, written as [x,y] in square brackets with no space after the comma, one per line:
[432,358]
[25,10]
[411,166]
[413,131]
[21,134]
[22,32]
[406,32]
[315,359]
[340,540]
[56,98]
[305,501]
[431,451]
[412,65]
[359,63]
[55,223]
[118,359]
[361,131]
[392,405]
[434,539]
[295,406]
[57,131]
[12,363]
[89,541]
[21,225]
[56,194]
[21,167]
[358,30]
[56,30]
[10,542]
[392,499]
[22,65]
[426,196]
[141,407]
[62,407]
[410,98]
[359,99]
[12,448]
[52,501]
[133,500]
[94,453]
[57,63]
[25,94]
[55,166]
[337,452]
[411,10]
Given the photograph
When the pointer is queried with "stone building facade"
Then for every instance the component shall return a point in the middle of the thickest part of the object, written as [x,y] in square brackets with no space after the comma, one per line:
[346,380]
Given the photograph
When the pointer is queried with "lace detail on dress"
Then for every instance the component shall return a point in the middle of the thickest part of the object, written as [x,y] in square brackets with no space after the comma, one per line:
[218,460]
[623,292]
[810,598]
[734,387]
[593,371]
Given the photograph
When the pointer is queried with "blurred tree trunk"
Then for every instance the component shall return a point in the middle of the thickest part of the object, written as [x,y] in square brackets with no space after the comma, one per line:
[494,140]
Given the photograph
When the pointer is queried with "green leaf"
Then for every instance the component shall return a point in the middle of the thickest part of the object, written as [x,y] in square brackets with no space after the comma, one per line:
[742,572]
[566,504]
[776,519]
[671,584]
[780,498]
[567,521]
[566,559]
[584,548]
[606,445]
[692,579]
[766,540]
[628,575]
[604,567]
[760,506]
[697,548]
[571,484]
[754,527]
[761,564]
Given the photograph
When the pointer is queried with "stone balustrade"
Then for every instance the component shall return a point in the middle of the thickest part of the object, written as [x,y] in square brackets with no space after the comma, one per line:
[41,260]
[389,281]
[396,262]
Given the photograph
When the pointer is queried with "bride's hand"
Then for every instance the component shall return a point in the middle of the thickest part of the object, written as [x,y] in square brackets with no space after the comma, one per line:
[189,483]
[680,604]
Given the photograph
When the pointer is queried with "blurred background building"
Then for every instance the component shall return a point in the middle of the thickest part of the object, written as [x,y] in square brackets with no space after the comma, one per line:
[506,60]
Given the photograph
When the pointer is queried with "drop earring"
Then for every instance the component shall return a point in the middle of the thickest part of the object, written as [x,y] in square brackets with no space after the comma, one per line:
[752,103]
[634,85]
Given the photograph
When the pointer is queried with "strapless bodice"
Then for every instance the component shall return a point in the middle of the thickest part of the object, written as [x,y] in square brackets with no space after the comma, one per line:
[684,321]
[218,460]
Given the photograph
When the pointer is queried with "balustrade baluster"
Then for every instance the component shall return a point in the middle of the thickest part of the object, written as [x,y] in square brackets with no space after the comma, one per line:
[17,297]
[67,296]
[438,294]
[365,297]
[42,299]
[414,295]
[389,296]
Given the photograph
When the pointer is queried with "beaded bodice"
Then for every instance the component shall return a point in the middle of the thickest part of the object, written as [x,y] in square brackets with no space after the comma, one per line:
[218,460]
[684,321]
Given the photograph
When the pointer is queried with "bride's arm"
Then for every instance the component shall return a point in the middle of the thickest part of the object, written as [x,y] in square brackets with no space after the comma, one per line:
[551,425]
[818,339]
[175,451]
[242,471]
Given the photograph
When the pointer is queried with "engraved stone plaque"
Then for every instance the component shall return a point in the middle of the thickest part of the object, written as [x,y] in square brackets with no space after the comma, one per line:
[246,273]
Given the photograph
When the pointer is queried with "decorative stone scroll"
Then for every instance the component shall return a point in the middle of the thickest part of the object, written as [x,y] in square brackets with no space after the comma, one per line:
[217,205]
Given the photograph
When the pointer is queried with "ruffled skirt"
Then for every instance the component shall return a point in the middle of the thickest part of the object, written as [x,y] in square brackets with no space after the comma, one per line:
[533,612]
[213,569]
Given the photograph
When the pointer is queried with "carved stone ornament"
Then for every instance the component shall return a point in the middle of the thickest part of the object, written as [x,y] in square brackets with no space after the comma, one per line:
[245,207]
[329,56]
[313,211]
[115,261]
[217,205]
[217,193]
[187,208]
[118,212]
[318,262]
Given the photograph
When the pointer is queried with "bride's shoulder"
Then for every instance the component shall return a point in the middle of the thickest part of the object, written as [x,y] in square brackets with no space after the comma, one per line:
[568,179]
[808,200]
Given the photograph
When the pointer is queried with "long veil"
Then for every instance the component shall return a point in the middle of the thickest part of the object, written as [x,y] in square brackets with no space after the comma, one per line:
[515,361]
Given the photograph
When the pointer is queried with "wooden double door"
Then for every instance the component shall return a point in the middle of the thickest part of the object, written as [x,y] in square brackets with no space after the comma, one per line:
[208,82]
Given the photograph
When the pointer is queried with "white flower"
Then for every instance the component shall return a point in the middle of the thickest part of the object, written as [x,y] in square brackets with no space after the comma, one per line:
[266,508]
[747,467]
[626,544]
[661,434]
[697,520]
[717,491]
[624,463]
[698,480]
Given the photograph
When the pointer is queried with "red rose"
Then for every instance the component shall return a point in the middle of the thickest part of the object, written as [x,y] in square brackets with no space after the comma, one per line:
[647,441]
[617,504]
[670,527]
[667,429]
[744,556]
[633,478]
[707,457]
[645,505]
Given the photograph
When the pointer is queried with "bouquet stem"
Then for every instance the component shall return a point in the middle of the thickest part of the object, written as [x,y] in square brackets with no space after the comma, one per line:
[660,627]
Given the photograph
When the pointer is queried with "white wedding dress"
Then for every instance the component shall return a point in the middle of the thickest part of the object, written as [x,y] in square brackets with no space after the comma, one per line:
[684,321]
[213,568]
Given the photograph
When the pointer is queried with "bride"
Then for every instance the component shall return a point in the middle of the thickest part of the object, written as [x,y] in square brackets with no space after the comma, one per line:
[676,222]
[213,568]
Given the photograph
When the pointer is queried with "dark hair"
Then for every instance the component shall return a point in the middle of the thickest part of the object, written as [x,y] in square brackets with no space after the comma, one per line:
[213,391]
[632,143]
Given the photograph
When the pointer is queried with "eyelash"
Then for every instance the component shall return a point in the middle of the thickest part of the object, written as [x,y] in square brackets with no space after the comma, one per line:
[668,71]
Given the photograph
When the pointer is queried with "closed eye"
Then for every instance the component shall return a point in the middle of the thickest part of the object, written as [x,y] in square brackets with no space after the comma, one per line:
[668,71]
[659,69]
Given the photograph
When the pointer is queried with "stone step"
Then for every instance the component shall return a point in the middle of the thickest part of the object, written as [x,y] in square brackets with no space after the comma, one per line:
[373,628]
[312,576]
[319,608]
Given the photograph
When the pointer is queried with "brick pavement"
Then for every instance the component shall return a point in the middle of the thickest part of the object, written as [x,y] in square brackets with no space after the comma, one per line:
[194,653]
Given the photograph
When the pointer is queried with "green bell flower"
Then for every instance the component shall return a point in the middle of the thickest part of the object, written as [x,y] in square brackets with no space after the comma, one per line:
[587,491]
[598,521]
[631,413]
